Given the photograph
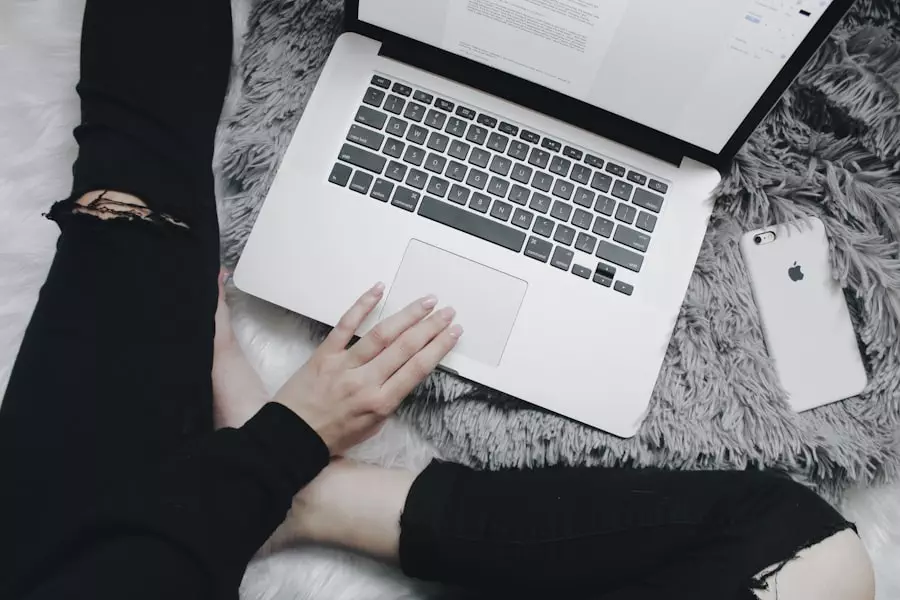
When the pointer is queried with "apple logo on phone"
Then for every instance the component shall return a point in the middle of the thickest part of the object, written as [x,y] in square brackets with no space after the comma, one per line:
[795,272]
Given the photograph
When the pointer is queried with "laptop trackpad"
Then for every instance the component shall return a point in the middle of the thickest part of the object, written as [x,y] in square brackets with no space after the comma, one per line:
[486,300]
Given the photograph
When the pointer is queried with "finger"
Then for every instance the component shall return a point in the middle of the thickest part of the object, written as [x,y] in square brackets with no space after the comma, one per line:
[407,345]
[343,332]
[384,334]
[417,368]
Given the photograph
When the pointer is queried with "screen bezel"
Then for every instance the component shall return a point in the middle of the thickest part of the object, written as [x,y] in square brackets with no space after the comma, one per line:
[587,116]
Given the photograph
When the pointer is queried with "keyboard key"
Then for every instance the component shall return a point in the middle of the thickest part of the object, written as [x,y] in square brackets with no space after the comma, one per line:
[602,279]
[551,145]
[501,165]
[501,210]
[542,181]
[626,213]
[463,220]
[487,120]
[417,179]
[560,166]
[519,195]
[403,90]
[498,187]
[586,243]
[573,153]
[361,182]
[518,150]
[423,97]
[397,126]
[647,200]
[477,179]
[584,197]
[622,190]
[605,270]
[414,112]
[631,238]
[521,173]
[465,112]
[438,186]
[539,158]
[564,234]
[458,194]
[480,157]
[414,155]
[601,182]
[394,104]
[625,288]
[480,202]
[543,226]
[417,134]
[456,127]
[365,137]
[603,227]
[363,159]
[658,186]
[340,174]
[581,174]
[382,190]
[580,271]
[405,198]
[497,142]
[637,178]
[530,136]
[394,148]
[563,189]
[435,163]
[561,211]
[619,256]
[477,135]
[436,119]
[508,128]
[562,258]
[458,149]
[373,97]
[522,218]
[437,141]
[582,219]
[605,205]
[538,249]
[444,104]
[646,221]
[381,82]
[371,117]
[456,171]
[594,161]
[396,171]
[540,203]
[617,170]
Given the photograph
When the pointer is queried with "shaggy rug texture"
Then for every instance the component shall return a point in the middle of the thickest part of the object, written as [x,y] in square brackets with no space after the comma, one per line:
[830,148]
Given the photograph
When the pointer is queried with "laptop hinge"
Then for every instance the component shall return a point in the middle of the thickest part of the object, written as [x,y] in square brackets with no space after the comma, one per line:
[535,97]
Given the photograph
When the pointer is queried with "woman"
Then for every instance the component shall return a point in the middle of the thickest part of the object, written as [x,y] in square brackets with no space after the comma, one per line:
[114,480]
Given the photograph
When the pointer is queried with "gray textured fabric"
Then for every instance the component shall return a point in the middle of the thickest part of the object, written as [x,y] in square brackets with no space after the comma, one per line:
[830,148]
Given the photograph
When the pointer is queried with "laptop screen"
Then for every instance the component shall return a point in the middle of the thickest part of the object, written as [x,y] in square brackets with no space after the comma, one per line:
[692,69]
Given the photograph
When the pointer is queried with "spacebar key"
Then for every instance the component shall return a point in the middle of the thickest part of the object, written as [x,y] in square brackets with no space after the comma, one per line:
[472,224]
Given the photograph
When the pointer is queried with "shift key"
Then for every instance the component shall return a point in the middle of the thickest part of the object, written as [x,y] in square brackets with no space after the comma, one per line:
[362,158]
[620,256]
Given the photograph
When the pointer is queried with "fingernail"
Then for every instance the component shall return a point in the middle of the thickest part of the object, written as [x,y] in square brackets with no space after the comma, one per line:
[378,288]
[429,302]
[456,331]
[448,312]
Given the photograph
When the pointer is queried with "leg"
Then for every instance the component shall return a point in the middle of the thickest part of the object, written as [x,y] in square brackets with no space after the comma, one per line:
[114,368]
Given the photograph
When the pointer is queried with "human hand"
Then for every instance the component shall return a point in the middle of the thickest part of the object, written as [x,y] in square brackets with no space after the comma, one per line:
[346,394]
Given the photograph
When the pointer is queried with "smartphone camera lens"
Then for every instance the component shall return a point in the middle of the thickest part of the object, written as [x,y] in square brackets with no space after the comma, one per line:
[757,240]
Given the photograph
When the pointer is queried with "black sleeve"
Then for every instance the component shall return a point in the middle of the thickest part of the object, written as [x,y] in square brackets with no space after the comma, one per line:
[188,530]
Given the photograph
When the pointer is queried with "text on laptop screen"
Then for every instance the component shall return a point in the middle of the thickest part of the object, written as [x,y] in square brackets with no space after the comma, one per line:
[690,68]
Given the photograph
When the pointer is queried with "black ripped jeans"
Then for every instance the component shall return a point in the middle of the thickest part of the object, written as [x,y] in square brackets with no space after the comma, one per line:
[114,373]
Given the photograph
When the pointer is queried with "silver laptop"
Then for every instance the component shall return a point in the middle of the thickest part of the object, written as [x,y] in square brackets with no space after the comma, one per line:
[544,166]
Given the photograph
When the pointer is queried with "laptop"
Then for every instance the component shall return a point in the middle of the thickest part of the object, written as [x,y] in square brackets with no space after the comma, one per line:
[544,166]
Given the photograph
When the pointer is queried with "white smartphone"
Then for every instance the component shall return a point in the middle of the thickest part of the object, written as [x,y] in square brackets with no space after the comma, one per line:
[806,323]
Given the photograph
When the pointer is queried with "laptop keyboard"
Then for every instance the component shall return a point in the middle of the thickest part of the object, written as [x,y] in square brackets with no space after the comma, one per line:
[501,182]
